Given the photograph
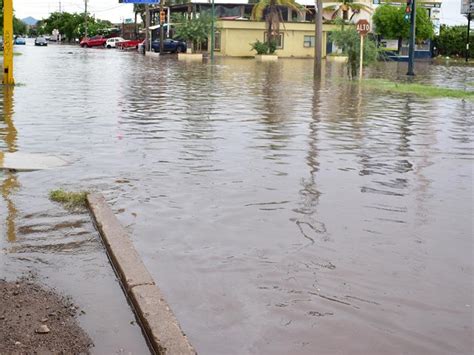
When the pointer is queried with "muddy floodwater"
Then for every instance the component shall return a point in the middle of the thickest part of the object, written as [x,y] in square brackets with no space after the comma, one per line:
[278,215]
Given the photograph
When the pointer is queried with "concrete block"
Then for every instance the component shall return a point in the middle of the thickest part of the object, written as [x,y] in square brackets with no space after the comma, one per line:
[152,54]
[190,56]
[160,322]
[156,318]
[124,257]
[337,58]
[266,57]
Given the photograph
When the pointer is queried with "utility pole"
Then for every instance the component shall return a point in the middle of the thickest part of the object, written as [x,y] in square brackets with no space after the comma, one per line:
[162,30]
[318,31]
[213,29]
[467,37]
[8,43]
[147,25]
[60,7]
[411,48]
[85,10]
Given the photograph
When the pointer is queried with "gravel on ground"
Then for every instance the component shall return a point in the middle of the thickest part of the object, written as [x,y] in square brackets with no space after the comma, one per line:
[34,319]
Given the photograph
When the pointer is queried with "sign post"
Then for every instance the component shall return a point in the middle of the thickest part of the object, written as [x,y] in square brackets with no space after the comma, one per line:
[467,8]
[363,27]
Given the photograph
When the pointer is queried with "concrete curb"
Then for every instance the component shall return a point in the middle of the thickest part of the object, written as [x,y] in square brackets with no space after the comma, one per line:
[156,318]
[152,55]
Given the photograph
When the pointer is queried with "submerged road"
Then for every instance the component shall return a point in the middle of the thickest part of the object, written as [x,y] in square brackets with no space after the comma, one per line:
[277,215]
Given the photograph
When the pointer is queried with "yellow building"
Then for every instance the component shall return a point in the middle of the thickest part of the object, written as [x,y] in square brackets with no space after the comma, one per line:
[296,39]
[297,35]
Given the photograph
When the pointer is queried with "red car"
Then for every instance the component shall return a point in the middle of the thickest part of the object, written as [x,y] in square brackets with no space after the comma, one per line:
[93,42]
[128,44]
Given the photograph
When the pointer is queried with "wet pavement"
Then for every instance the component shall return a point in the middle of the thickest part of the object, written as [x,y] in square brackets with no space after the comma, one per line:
[278,215]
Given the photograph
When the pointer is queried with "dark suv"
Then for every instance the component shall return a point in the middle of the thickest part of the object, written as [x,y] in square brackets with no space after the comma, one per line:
[169,45]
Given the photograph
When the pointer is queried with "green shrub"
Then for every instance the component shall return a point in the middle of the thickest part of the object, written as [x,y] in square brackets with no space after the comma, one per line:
[264,47]
[272,46]
[260,47]
[349,40]
[452,41]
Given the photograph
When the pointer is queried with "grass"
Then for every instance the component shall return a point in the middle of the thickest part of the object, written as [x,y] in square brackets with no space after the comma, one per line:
[453,61]
[14,54]
[70,200]
[418,89]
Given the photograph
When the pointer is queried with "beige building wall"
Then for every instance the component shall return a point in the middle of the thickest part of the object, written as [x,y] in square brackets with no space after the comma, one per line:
[237,36]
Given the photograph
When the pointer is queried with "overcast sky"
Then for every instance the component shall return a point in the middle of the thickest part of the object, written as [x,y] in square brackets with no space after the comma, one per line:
[115,12]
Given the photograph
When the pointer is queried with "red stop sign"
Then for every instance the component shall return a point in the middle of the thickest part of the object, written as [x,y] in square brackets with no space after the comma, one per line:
[363,27]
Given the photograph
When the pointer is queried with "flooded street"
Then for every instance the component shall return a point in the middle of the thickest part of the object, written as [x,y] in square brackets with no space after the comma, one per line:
[277,215]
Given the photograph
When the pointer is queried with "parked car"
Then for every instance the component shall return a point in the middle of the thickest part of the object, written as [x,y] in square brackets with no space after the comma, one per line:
[130,44]
[41,41]
[112,42]
[95,41]
[169,45]
[20,41]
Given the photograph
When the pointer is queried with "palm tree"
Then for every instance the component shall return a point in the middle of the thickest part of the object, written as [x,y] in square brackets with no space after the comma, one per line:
[343,6]
[139,10]
[271,10]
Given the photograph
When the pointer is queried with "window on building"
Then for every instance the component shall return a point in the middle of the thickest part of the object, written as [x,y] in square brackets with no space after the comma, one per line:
[278,39]
[217,41]
[308,41]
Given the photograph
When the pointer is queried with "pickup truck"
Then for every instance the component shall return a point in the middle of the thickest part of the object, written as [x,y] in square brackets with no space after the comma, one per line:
[130,44]
[93,42]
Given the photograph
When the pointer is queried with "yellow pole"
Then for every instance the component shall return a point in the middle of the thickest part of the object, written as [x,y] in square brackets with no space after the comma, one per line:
[8,43]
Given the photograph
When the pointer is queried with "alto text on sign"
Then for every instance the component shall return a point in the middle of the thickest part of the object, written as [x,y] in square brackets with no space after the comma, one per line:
[363,27]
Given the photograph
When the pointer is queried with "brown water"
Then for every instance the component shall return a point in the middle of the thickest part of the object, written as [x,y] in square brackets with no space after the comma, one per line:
[278,215]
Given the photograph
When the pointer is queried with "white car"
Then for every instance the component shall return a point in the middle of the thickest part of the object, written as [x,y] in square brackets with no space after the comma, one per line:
[110,43]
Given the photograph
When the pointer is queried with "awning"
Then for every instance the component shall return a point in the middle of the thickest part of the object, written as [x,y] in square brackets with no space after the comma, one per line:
[157,27]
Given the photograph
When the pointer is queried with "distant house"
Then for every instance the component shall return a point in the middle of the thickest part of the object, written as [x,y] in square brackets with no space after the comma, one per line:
[235,31]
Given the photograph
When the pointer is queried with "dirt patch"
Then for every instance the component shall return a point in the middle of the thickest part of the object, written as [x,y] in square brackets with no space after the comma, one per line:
[34,319]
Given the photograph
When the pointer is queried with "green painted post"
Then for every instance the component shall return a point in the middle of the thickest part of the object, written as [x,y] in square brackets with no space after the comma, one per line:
[213,32]
[411,48]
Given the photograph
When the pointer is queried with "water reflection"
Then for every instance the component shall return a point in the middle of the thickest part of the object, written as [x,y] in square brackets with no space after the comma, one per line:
[276,115]
[10,183]
[309,225]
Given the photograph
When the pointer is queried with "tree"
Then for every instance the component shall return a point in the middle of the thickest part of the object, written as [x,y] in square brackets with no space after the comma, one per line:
[72,25]
[194,31]
[271,10]
[318,33]
[344,6]
[139,10]
[18,26]
[349,40]
[452,41]
[390,23]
